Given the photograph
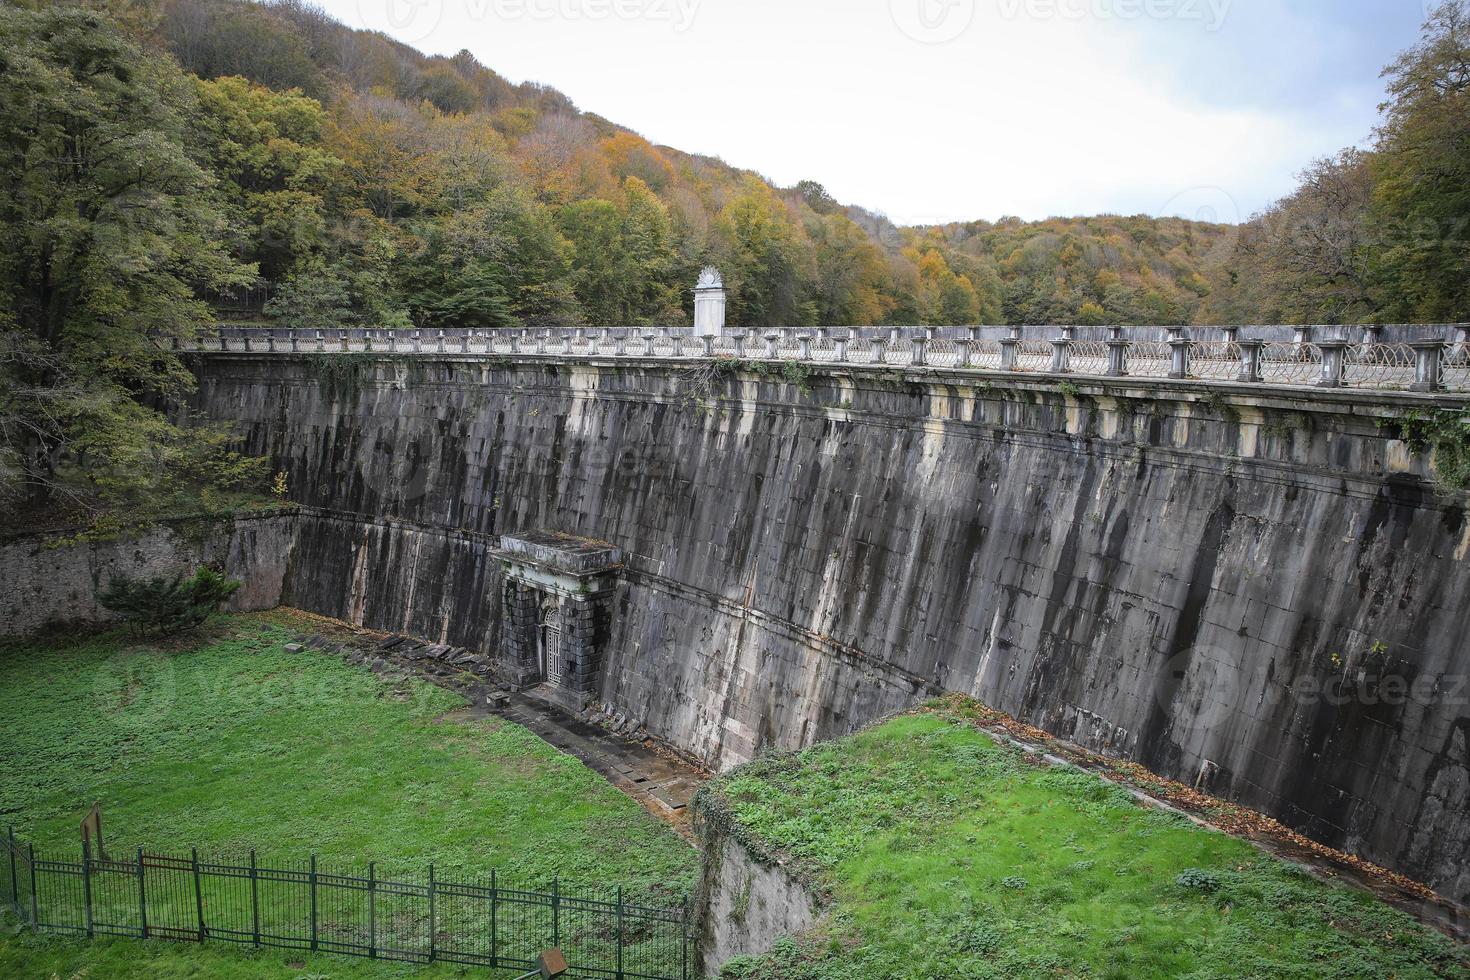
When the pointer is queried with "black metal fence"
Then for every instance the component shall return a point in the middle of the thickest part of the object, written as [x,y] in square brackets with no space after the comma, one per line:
[353,911]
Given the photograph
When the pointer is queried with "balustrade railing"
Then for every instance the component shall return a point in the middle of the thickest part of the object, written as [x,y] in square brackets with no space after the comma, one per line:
[1349,358]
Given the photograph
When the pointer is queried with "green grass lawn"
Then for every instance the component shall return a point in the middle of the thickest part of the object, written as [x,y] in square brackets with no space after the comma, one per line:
[947,855]
[236,743]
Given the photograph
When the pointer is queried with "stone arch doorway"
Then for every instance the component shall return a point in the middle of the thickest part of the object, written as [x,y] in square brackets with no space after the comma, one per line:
[556,613]
[549,646]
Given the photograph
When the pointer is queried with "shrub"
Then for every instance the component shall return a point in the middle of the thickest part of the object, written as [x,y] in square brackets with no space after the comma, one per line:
[1196,879]
[162,606]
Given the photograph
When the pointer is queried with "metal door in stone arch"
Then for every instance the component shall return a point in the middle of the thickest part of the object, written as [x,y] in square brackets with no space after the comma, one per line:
[551,655]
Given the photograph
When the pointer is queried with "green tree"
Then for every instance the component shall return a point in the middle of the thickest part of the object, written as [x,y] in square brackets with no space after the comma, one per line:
[1421,200]
[765,264]
[107,227]
[265,148]
[163,605]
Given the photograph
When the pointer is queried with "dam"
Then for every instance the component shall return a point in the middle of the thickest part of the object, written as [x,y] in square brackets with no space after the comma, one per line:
[1253,586]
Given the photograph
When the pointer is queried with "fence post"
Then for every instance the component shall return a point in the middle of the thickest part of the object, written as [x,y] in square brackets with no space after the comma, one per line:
[684,943]
[1333,354]
[87,884]
[312,878]
[1008,347]
[35,903]
[1250,361]
[1118,355]
[142,899]
[14,879]
[1061,351]
[556,911]
[254,900]
[198,891]
[1426,364]
[372,910]
[918,350]
[433,951]
[620,932]
[1178,357]
[494,909]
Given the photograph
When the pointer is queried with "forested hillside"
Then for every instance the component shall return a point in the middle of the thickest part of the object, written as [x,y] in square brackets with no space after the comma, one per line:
[162,159]
[345,155]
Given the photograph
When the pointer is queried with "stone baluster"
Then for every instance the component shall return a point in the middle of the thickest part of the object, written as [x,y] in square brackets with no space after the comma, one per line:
[967,352]
[247,339]
[566,341]
[515,342]
[880,347]
[918,350]
[1061,354]
[772,339]
[1250,361]
[649,336]
[840,343]
[1118,353]
[740,344]
[1178,353]
[1333,352]
[804,342]
[342,339]
[1427,354]
[1009,348]
[709,345]
[321,342]
[464,342]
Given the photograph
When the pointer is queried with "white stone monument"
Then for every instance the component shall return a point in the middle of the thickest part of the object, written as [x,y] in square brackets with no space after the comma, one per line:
[709,304]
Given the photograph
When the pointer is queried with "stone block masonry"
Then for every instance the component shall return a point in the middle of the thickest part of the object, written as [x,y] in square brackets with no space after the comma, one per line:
[48,580]
[1259,591]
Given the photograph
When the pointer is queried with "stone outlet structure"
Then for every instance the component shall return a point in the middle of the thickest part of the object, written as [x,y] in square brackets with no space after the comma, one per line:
[1257,590]
[556,613]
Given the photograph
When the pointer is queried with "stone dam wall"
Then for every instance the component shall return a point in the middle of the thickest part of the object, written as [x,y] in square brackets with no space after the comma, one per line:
[48,580]
[1253,590]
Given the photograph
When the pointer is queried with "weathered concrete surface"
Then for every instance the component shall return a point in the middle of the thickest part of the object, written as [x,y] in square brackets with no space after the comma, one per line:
[745,900]
[45,583]
[1227,584]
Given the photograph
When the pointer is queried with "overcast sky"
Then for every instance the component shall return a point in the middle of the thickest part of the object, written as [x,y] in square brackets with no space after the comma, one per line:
[937,110]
